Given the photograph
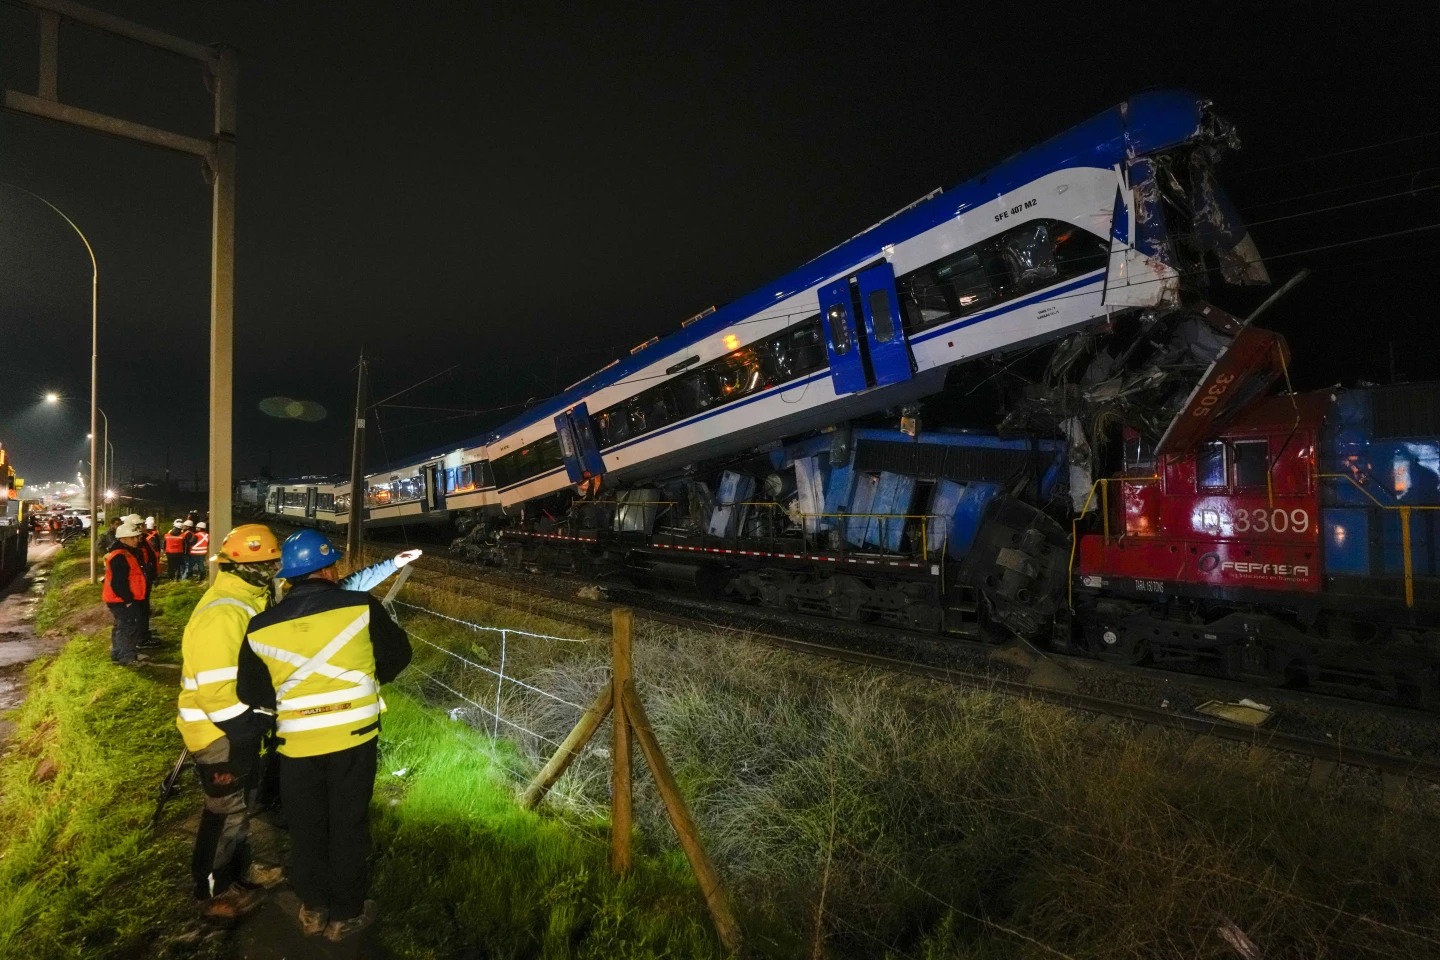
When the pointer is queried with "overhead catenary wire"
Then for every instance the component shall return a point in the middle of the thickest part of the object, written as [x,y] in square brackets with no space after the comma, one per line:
[1341,153]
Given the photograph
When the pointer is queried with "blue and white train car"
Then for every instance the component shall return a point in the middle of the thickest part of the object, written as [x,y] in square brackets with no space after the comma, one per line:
[1112,215]
[308,501]
[432,488]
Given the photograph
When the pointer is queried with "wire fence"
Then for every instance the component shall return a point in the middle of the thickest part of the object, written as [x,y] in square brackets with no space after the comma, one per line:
[503,688]
[495,676]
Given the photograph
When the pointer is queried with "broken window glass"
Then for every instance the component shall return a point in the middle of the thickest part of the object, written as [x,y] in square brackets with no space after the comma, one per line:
[1252,463]
[1210,467]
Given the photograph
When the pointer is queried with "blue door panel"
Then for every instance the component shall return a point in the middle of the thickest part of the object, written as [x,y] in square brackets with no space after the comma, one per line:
[568,450]
[837,317]
[889,353]
[586,444]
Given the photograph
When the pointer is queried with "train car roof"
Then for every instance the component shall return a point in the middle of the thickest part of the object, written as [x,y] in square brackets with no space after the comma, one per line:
[1145,123]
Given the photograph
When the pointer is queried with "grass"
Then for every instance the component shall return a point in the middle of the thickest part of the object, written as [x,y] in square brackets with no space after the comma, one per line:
[850,814]
[858,815]
[82,876]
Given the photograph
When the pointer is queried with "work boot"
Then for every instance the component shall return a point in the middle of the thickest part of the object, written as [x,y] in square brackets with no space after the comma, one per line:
[267,875]
[232,904]
[312,922]
[337,930]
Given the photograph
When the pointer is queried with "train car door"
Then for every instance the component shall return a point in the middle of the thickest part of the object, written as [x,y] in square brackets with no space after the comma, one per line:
[889,351]
[434,486]
[312,499]
[578,446]
[842,343]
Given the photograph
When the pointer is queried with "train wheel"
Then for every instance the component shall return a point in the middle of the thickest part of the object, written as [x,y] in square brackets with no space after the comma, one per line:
[1109,638]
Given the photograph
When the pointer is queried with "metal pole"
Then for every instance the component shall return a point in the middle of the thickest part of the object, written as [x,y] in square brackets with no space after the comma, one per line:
[94,362]
[94,400]
[222,292]
[354,535]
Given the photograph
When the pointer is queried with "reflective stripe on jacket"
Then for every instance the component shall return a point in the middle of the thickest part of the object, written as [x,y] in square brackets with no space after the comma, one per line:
[318,658]
[134,576]
[209,651]
[201,546]
[323,669]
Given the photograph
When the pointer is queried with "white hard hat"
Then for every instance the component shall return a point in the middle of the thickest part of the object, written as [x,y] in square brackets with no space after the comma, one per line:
[200,525]
[188,523]
[179,522]
[149,523]
[128,529]
[134,518]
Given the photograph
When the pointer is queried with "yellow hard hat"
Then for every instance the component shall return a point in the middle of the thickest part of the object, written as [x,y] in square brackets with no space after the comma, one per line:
[249,543]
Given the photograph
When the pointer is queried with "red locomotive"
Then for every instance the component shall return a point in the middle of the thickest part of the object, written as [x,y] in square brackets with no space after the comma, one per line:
[1289,538]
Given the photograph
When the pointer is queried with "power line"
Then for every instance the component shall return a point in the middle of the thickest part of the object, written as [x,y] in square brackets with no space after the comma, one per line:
[1341,153]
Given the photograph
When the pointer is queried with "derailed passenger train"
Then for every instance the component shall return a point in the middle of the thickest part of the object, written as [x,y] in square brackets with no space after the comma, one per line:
[798,447]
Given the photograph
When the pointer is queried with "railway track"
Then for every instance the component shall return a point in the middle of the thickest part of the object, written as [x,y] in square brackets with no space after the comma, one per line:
[1325,755]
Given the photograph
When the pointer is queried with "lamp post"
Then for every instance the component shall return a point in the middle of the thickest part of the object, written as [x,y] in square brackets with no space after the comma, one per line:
[105,475]
[94,356]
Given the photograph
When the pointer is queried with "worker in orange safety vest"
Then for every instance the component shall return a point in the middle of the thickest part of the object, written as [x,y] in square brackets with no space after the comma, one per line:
[126,591]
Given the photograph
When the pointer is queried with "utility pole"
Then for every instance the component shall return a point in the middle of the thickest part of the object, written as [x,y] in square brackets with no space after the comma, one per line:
[353,533]
[217,154]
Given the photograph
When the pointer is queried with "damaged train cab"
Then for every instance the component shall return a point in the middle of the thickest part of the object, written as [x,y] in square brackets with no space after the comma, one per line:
[1296,543]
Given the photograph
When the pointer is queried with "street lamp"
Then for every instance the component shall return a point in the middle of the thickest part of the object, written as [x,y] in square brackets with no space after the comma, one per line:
[94,356]
[106,475]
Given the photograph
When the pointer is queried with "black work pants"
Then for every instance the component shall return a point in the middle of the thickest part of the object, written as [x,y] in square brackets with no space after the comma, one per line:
[175,565]
[222,849]
[128,632]
[327,806]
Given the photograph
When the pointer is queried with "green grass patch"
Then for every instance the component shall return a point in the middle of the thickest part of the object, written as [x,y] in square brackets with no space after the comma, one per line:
[460,866]
[80,873]
[69,589]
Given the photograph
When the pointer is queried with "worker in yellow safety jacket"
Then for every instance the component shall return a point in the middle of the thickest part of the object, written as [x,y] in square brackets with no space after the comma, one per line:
[220,730]
[318,658]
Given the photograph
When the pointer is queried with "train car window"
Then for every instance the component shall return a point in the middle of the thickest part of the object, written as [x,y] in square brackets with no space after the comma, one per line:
[808,347]
[1210,472]
[1027,257]
[1252,462]
[1029,254]
[739,375]
[880,316]
[838,319]
[690,395]
[485,477]
[530,461]
[639,422]
[659,408]
[776,360]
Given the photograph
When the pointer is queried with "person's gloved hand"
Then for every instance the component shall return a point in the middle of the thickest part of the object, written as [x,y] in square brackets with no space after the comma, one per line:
[406,557]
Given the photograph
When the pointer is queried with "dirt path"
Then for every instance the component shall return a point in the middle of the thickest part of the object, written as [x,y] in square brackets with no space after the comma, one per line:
[19,643]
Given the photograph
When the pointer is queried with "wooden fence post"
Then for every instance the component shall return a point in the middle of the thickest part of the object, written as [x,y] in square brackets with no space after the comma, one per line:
[568,750]
[630,719]
[620,793]
[715,898]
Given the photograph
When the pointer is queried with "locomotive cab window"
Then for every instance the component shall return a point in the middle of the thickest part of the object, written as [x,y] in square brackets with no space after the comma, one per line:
[1252,462]
[1210,472]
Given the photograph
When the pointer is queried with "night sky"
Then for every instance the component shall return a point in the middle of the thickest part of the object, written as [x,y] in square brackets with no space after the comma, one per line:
[522,191]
